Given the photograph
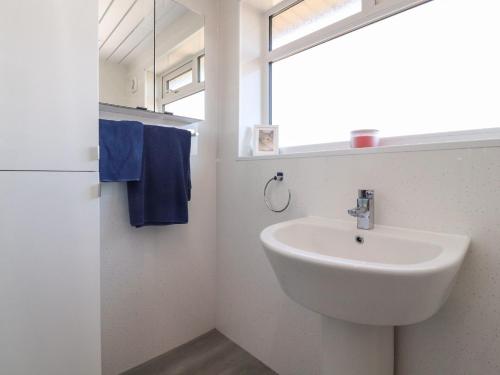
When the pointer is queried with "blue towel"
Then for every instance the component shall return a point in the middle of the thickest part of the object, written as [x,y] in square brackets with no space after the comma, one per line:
[161,196]
[120,144]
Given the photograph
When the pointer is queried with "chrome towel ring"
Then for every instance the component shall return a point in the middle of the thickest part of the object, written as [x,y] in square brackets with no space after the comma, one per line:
[278,177]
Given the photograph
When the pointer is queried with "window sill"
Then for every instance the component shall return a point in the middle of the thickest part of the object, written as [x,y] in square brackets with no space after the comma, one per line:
[485,139]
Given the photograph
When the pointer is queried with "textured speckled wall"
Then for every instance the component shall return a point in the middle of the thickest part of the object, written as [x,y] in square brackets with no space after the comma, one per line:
[158,284]
[449,191]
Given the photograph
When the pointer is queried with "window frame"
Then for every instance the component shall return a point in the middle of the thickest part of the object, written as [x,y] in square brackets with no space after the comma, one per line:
[372,11]
[198,65]
[167,78]
[193,64]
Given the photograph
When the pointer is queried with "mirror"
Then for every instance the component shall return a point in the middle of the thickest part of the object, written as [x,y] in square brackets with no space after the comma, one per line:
[126,53]
[180,60]
[151,56]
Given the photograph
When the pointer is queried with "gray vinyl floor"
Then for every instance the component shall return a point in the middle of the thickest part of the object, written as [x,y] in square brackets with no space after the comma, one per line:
[210,354]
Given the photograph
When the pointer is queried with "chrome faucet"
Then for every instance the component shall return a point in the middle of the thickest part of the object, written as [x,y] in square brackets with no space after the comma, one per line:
[365,209]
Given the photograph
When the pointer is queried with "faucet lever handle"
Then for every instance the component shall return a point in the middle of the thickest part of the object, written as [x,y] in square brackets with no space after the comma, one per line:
[366,194]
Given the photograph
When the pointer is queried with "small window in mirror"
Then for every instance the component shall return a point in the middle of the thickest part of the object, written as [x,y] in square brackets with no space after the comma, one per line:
[191,106]
[183,88]
[180,80]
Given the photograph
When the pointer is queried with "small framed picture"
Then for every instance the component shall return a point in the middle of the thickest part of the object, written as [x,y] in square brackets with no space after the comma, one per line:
[266,140]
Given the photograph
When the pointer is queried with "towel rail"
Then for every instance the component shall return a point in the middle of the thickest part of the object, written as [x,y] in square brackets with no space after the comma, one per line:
[279,177]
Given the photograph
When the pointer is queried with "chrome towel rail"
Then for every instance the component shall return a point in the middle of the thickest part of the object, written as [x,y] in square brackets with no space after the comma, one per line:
[279,177]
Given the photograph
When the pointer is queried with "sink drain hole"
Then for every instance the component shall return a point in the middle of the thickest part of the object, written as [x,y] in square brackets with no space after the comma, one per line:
[360,239]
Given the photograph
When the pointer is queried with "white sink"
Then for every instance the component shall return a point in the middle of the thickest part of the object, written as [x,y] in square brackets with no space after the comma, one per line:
[394,277]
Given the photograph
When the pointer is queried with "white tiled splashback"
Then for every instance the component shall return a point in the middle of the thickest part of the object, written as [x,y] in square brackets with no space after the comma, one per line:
[447,191]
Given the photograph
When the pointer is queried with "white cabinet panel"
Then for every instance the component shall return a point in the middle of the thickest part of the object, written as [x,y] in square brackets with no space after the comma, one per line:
[49,85]
[49,273]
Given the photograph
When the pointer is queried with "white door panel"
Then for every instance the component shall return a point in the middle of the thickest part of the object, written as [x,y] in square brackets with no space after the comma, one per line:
[49,85]
[49,273]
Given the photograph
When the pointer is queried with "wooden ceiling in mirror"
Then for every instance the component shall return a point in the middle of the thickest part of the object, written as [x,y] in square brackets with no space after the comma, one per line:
[131,34]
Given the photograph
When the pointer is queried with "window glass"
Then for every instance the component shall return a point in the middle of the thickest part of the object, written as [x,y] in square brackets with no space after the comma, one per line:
[308,16]
[190,106]
[181,80]
[434,68]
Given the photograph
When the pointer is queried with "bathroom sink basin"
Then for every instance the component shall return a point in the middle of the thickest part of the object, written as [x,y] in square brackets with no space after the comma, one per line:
[386,276]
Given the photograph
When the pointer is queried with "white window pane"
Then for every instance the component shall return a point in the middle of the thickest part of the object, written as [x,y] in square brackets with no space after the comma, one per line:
[308,16]
[181,80]
[201,62]
[431,69]
[190,106]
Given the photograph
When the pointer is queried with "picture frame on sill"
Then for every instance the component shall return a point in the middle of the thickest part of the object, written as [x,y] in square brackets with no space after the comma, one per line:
[265,140]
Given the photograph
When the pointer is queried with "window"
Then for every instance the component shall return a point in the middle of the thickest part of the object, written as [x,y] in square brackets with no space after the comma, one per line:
[183,88]
[201,68]
[191,106]
[430,69]
[180,79]
[308,16]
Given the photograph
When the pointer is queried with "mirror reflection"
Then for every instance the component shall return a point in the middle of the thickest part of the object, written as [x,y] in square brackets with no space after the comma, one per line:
[151,56]
[126,53]
[180,60]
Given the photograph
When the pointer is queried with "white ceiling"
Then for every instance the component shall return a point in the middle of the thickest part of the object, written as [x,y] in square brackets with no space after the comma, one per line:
[181,52]
[126,27]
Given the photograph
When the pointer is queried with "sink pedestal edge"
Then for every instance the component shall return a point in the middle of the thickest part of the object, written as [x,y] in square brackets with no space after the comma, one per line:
[356,349]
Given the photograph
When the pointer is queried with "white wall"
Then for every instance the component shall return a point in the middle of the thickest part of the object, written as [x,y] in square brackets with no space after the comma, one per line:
[113,83]
[158,284]
[253,77]
[450,191]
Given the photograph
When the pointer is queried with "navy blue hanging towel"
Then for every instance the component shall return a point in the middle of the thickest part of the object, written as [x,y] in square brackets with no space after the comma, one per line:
[162,194]
[120,144]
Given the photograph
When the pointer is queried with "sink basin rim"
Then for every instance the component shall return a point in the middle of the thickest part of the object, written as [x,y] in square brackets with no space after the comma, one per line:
[447,257]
